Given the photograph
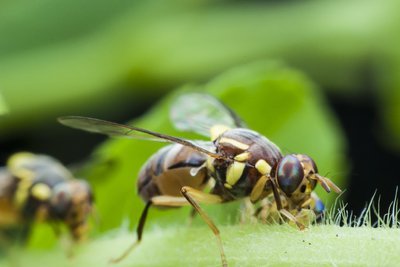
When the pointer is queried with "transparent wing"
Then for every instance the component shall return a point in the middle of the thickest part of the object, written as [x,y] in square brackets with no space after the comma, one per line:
[115,129]
[198,112]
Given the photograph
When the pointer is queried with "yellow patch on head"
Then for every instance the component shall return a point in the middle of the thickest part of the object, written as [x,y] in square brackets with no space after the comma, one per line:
[217,130]
[234,172]
[263,167]
[41,191]
[308,189]
[234,143]
[243,156]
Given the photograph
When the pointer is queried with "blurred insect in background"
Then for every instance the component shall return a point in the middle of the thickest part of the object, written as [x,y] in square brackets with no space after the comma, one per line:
[240,163]
[36,187]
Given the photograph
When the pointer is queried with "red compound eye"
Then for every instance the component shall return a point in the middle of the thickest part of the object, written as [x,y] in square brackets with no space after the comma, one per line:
[290,173]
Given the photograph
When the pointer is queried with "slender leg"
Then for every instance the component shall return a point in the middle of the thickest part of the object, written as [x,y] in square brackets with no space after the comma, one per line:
[192,195]
[290,216]
[306,203]
[139,232]
[165,201]
[267,212]
[276,194]
[248,212]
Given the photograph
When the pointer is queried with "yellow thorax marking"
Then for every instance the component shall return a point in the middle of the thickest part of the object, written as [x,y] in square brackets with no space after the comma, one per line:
[234,142]
[217,130]
[41,191]
[263,167]
[234,172]
[243,156]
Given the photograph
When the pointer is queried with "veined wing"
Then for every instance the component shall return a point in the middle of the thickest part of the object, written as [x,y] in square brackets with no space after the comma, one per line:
[116,129]
[199,112]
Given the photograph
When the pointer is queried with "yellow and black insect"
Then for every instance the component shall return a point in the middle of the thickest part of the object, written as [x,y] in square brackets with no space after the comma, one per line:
[266,211]
[241,162]
[38,187]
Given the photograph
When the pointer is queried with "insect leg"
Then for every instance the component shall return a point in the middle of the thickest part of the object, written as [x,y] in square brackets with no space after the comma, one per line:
[139,232]
[306,203]
[247,212]
[292,218]
[277,197]
[166,201]
[193,196]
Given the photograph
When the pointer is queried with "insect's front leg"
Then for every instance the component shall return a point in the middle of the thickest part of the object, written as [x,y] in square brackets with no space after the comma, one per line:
[248,212]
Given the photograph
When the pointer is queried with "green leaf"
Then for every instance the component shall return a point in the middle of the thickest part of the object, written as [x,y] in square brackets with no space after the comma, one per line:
[82,53]
[245,245]
[277,101]
[3,107]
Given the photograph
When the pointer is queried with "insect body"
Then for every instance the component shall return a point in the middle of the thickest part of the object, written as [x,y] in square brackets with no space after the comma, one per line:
[38,187]
[241,162]
[167,171]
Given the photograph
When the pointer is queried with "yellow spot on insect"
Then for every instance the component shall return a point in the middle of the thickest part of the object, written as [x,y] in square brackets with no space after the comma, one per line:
[235,170]
[22,192]
[309,189]
[41,191]
[217,130]
[18,159]
[234,143]
[17,165]
[210,165]
[228,186]
[263,167]
[243,156]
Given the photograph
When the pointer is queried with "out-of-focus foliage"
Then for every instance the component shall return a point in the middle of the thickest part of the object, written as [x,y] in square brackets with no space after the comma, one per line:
[65,52]
[279,102]
[3,107]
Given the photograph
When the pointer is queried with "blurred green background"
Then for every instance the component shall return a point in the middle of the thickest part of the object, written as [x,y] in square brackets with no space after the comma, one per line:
[316,77]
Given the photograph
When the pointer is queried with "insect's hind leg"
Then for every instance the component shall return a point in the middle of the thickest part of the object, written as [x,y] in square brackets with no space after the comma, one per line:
[166,201]
[193,196]
[139,232]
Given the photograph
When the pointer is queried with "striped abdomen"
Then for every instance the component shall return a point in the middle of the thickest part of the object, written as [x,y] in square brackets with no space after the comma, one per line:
[168,170]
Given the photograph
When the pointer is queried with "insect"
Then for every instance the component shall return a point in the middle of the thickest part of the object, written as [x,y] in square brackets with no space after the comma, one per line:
[38,187]
[267,211]
[241,162]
